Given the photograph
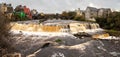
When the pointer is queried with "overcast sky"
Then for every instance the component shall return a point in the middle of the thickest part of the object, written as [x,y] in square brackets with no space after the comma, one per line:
[57,6]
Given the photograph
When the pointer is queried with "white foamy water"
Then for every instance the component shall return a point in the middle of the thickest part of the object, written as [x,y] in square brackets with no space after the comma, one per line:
[112,38]
[49,34]
[52,34]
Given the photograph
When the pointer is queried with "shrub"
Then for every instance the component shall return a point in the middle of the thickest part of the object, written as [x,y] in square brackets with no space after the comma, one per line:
[113,32]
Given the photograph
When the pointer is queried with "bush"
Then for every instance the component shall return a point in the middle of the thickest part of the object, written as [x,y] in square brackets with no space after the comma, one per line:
[113,33]
[111,22]
[79,18]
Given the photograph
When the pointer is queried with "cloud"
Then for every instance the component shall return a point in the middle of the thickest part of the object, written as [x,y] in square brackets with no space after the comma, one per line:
[1,1]
[93,5]
[68,2]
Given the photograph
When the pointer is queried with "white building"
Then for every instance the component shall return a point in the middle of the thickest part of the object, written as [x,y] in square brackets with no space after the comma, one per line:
[91,13]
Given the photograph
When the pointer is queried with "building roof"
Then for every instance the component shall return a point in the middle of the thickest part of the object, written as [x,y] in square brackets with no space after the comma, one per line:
[92,9]
[105,9]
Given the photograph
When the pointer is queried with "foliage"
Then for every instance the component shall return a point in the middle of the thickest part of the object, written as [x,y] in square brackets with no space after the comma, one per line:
[71,15]
[110,22]
[113,32]
[79,18]
[19,16]
[58,40]
[64,15]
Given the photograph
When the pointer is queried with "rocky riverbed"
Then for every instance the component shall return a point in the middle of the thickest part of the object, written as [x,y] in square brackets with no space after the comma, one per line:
[64,46]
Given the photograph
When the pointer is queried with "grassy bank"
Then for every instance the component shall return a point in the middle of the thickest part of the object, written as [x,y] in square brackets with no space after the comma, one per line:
[113,33]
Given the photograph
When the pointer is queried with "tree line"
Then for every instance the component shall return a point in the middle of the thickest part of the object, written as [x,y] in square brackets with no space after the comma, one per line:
[111,22]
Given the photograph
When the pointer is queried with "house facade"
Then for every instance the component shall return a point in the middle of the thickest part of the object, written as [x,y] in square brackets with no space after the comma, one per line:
[91,13]
[104,12]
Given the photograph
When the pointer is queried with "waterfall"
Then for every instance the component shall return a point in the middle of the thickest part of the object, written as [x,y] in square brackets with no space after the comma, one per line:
[94,25]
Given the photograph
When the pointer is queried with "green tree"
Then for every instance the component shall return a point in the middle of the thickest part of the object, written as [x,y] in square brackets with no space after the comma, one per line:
[71,15]
[64,15]
[111,22]
[79,18]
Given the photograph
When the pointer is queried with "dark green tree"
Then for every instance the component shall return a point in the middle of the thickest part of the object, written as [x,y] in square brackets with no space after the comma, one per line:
[112,22]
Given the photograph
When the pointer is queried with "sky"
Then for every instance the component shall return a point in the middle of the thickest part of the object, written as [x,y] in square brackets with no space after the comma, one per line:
[57,6]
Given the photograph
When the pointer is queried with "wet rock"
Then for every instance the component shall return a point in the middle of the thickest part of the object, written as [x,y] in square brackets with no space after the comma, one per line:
[66,46]
[12,55]
[100,47]
[116,42]
[80,50]
[114,53]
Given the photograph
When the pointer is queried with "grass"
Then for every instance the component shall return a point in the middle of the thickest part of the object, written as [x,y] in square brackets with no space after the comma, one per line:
[113,33]
[58,40]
